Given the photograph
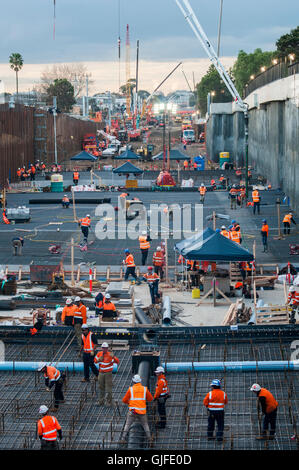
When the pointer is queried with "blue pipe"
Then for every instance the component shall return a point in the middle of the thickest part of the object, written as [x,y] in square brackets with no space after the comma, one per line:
[246,366]
[32,366]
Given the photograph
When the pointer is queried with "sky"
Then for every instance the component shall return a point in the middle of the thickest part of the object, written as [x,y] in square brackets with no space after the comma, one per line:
[86,31]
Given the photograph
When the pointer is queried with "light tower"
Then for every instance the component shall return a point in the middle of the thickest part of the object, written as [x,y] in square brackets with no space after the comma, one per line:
[128,72]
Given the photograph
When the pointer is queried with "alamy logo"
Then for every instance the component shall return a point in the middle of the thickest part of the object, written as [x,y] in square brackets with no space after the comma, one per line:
[295,350]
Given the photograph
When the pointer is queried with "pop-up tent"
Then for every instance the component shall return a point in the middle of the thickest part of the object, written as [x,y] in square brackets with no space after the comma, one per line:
[128,168]
[84,156]
[174,154]
[212,246]
[127,155]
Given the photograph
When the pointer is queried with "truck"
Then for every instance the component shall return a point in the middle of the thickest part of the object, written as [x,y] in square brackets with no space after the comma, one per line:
[188,136]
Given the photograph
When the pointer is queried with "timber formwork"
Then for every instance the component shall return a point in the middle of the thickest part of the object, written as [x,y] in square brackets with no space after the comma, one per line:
[88,426]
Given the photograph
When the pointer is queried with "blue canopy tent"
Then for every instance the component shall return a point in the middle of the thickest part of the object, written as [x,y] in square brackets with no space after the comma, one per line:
[127,168]
[127,155]
[84,156]
[174,154]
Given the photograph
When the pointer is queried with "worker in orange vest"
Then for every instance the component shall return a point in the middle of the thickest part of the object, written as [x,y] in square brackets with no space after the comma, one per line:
[235,236]
[76,176]
[293,302]
[186,164]
[89,342]
[161,395]
[80,317]
[130,263]
[194,165]
[19,173]
[288,218]
[233,193]
[222,181]
[32,172]
[65,202]
[256,201]
[43,167]
[48,428]
[144,245]
[265,234]
[153,283]
[225,232]
[53,378]
[242,195]
[106,361]
[67,316]
[213,183]
[269,408]
[5,219]
[109,312]
[136,398]
[215,402]
[85,225]
[158,262]
[202,190]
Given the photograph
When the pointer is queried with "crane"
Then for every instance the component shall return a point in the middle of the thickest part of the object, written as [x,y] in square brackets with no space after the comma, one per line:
[190,17]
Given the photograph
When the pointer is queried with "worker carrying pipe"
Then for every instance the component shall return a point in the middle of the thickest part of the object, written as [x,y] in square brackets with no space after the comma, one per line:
[269,409]
[215,402]
[53,378]
[48,428]
[136,398]
[161,395]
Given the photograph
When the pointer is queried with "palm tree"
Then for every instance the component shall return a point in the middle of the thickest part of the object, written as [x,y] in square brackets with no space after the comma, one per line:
[16,63]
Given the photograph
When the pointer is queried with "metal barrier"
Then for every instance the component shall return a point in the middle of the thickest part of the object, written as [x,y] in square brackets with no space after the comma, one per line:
[275,72]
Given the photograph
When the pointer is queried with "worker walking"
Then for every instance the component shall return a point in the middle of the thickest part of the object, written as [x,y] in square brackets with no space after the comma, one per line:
[256,199]
[202,190]
[161,395]
[158,262]
[136,398]
[293,302]
[265,234]
[76,176]
[17,244]
[144,244]
[269,408]
[106,360]
[233,193]
[53,378]
[129,262]
[288,218]
[215,402]
[80,318]
[65,202]
[48,428]
[89,342]
[67,315]
[153,283]
[84,223]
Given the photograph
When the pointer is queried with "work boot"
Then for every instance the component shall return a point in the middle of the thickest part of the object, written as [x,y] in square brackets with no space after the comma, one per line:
[85,380]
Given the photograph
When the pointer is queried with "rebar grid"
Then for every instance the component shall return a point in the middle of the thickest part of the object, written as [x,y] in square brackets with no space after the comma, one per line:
[87,426]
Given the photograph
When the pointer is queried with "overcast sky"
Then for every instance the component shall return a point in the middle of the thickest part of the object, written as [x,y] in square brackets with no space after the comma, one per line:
[87,30]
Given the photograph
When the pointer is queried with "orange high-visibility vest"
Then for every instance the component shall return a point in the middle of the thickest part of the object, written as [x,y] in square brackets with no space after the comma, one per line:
[225,233]
[233,192]
[161,387]
[293,298]
[137,400]
[271,403]
[130,261]
[158,258]
[109,306]
[215,400]
[52,373]
[265,228]
[143,243]
[48,427]
[242,192]
[19,172]
[76,175]
[85,222]
[5,219]
[202,190]
[105,361]
[151,277]
[212,182]
[181,259]
[235,236]
[88,344]
[68,312]
[65,199]
[287,218]
[255,196]
[80,312]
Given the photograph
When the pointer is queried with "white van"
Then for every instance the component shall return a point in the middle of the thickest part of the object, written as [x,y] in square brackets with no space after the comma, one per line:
[189,135]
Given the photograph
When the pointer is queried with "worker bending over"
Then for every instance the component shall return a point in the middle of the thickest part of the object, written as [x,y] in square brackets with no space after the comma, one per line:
[48,428]
[53,378]
[153,283]
[144,244]
[136,398]
[130,263]
[215,402]
[67,316]
[293,301]
[161,395]
[80,317]
[106,360]
[89,341]
[17,244]
[288,218]
[39,320]
[65,201]
[269,408]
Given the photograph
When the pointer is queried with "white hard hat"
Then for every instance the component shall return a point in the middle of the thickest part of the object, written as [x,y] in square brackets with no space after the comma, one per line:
[43,409]
[159,370]
[105,345]
[136,378]
[84,326]
[41,366]
[158,248]
[223,227]
[77,299]
[65,195]
[107,296]
[68,301]
[292,289]
[255,388]
[202,184]
[87,215]
[144,232]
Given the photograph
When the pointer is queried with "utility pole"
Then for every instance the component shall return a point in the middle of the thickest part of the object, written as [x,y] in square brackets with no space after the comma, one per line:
[219,28]
[87,101]
[55,137]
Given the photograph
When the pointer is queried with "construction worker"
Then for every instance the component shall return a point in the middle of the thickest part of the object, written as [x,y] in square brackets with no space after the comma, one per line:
[242,195]
[109,310]
[265,234]
[225,232]
[89,341]
[136,398]
[202,190]
[236,227]
[39,320]
[47,429]
[269,408]
[153,283]
[17,244]
[53,378]
[105,359]
[235,235]
[129,262]
[76,176]
[186,164]
[32,172]
[67,316]
[4,218]
[256,199]
[161,395]
[215,402]
[43,167]
[233,197]
[213,183]
[19,174]
[80,317]
[293,301]
[144,245]
[84,223]
[222,181]
[65,201]
[288,218]
[158,262]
